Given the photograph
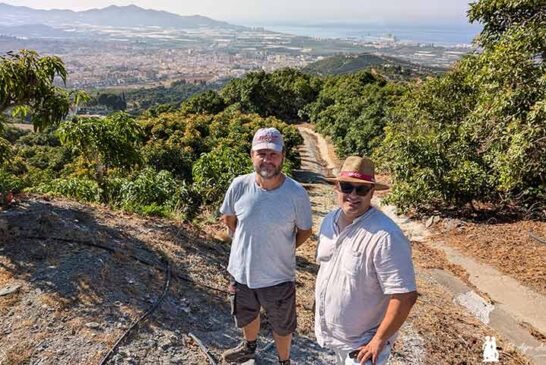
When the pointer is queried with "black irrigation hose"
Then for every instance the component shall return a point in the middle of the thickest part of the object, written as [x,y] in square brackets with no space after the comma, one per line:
[144,316]
[93,244]
[168,276]
[203,348]
[139,259]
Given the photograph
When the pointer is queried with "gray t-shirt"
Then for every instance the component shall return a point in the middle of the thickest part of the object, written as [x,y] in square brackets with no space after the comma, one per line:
[263,251]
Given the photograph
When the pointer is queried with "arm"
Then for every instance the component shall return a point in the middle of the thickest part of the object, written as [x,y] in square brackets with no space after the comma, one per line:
[302,235]
[304,217]
[397,312]
[231,223]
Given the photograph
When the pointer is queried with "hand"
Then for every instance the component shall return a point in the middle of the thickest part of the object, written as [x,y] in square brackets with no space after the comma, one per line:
[371,351]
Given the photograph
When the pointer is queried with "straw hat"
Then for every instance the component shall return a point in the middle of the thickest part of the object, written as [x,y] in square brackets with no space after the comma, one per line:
[358,170]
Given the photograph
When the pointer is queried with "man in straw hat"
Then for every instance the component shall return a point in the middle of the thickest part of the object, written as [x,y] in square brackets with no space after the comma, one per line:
[366,283]
[269,215]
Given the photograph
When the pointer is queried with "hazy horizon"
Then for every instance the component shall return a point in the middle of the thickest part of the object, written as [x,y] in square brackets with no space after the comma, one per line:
[289,12]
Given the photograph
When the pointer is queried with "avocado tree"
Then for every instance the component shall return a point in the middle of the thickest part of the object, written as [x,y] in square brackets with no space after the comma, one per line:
[478,133]
[27,89]
[109,142]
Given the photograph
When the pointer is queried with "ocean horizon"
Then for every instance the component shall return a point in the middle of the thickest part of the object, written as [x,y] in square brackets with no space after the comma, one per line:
[442,35]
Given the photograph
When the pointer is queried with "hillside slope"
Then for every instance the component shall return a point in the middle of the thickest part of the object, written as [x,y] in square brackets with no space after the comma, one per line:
[73,279]
[390,66]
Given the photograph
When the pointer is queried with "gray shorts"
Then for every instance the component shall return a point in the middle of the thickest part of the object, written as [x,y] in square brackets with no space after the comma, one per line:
[279,302]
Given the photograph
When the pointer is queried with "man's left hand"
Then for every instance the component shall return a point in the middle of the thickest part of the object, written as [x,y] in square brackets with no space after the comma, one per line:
[371,351]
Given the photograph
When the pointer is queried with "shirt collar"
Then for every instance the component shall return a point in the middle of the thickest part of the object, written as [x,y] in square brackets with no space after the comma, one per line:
[337,214]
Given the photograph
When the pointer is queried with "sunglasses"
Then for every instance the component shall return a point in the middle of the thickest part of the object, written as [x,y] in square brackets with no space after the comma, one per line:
[347,188]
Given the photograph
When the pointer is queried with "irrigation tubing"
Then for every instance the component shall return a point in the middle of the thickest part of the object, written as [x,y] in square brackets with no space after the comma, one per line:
[139,259]
[168,275]
[144,316]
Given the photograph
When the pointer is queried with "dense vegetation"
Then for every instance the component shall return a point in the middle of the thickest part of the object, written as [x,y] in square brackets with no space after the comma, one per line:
[394,68]
[138,101]
[478,133]
[473,137]
[175,163]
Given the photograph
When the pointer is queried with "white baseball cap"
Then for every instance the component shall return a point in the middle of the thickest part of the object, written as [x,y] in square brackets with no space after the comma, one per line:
[267,139]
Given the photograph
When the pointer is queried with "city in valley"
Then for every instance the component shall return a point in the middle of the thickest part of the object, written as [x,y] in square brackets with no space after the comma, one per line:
[108,54]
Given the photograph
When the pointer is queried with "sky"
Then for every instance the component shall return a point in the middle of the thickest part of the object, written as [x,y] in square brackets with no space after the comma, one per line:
[288,11]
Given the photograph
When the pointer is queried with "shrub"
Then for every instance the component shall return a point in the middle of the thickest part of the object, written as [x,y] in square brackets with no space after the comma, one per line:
[110,142]
[12,134]
[10,183]
[352,110]
[186,201]
[208,102]
[112,188]
[79,189]
[5,150]
[214,171]
[149,188]
[165,155]
[46,137]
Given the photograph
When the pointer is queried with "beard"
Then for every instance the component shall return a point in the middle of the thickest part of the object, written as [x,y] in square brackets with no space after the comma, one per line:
[268,171]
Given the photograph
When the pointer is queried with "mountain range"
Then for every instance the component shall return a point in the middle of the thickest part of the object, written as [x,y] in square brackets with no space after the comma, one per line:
[111,16]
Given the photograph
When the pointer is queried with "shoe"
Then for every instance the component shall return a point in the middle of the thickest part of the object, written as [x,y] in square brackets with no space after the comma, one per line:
[239,354]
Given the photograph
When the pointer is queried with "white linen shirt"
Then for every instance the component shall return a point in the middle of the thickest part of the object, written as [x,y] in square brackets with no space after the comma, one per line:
[360,268]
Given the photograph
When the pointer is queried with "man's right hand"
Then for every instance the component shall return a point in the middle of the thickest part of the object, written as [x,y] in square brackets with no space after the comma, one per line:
[231,223]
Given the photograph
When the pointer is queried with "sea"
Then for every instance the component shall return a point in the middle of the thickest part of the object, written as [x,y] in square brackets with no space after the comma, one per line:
[443,35]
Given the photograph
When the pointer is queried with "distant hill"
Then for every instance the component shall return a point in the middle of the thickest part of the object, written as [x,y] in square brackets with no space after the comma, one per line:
[114,16]
[344,64]
[34,31]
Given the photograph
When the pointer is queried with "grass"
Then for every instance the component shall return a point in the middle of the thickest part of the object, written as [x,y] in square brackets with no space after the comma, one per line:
[55,301]
[17,355]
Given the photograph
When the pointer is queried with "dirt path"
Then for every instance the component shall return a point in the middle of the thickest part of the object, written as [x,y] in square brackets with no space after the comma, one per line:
[317,156]
[445,274]
[27,127]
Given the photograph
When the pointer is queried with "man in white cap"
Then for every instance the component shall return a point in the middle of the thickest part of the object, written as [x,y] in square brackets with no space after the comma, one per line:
[365,287]
[269,215]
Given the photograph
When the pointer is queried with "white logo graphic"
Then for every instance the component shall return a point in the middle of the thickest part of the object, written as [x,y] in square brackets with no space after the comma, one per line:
[490,353]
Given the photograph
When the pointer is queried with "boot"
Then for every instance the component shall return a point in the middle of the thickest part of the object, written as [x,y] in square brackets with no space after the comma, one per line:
[244,351]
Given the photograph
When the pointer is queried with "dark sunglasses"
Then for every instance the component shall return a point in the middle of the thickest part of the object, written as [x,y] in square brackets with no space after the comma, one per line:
[347,188]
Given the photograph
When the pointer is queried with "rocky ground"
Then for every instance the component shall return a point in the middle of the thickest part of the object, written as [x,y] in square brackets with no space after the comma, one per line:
[80,275]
